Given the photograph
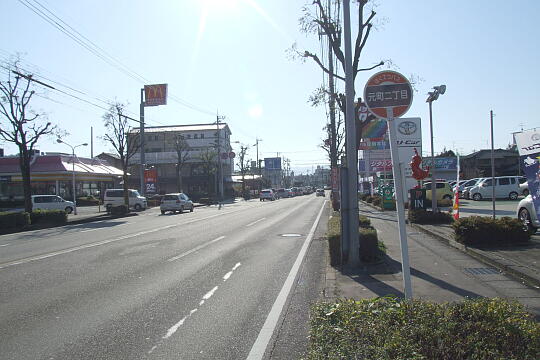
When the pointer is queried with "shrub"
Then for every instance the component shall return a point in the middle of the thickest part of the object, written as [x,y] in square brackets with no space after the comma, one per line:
[119,210]
[14,220]
[388,328]
[364,222]
[377,201]
[334,238]
[476,230]
[87,201]
[48,217]
[421,216]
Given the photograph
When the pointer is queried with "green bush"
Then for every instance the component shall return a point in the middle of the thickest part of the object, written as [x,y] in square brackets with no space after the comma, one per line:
[334,238]
[48,217]
[364,222]
[87,201]
[119,210]
[369,199]
[377,201]
[476,230]
[421,216]
[14,220]
[388,328]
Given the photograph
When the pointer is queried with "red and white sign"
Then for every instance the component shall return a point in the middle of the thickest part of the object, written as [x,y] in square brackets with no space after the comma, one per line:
[155,95]
[232,155]
[224,156]
[388,90]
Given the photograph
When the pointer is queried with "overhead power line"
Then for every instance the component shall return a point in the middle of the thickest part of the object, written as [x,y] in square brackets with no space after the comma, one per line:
[50,17]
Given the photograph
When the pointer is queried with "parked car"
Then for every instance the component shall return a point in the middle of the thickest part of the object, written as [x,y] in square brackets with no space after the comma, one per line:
[267,194]
[290,193]
[320,192]
[527,214]
[282,193]
[176,202]
[505,187]
[467,186]
[51,202]
[115,197]
[442,190]
[524,188]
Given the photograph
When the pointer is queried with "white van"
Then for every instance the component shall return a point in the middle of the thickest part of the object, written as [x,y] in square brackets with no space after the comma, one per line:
[51,202]
[115,197]
[506,187]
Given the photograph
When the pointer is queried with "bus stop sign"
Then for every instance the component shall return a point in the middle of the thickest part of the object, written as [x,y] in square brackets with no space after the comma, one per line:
[388,89]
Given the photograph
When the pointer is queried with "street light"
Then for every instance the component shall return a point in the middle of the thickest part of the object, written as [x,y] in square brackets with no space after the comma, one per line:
[433,95]
[60,141]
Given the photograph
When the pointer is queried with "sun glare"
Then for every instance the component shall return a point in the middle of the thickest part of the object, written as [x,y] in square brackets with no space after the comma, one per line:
[220,5]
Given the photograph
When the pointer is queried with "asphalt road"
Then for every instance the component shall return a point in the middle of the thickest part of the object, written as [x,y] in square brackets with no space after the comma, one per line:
[189,286]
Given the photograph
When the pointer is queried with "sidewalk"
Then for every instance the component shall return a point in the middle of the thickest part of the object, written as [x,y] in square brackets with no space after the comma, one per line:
[439,272]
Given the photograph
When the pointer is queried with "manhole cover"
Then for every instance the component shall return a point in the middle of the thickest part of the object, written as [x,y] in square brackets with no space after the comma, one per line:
[481,271]
[291,235]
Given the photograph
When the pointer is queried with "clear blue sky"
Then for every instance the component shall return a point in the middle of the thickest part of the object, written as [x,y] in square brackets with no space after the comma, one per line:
[230,55]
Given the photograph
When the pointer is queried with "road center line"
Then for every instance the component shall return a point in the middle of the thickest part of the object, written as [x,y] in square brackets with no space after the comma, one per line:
[197,248]
[259,347]
[4,245]
[253,223]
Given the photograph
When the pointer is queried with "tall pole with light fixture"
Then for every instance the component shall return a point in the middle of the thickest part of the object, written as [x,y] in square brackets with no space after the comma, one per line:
[433,95]
[60,141]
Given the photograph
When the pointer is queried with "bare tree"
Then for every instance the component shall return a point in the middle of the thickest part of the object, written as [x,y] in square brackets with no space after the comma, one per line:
[20,125]
[182,153]
[208,158]
[324,20]
[244,166]
[124,143]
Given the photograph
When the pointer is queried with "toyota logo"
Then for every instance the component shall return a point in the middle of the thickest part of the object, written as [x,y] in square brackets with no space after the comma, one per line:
[407,128]
[535,137]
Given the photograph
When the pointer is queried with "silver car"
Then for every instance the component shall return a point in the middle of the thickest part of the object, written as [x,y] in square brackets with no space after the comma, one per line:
[177,202]
[527,215]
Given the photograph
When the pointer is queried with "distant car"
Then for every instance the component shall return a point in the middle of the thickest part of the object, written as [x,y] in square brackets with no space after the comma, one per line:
[282,193]
[51,202]
[527,215]
[524,188]
[290,193]
[506,187]
[115,197]
[327,187]
[319,192]
[267,194]
[176,202]
[465,188]
[442,190]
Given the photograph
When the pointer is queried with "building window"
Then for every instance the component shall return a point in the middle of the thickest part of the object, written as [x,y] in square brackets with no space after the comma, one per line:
[188,136]
[196,136]
[202,136]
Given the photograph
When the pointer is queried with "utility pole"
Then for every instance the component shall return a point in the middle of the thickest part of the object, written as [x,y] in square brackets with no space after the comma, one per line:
[141,141]
[258,162]
[492,165]
[91,142]
[352,153]
[219,187]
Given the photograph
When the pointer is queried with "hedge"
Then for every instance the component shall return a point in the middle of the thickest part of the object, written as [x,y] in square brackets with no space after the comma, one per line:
[389,328]
[48,217]
[14,220]
[366,231]
[421,216]
[482,230]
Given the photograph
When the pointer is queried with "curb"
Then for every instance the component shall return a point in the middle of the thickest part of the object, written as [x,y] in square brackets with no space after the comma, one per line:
[98,218]
[505,268]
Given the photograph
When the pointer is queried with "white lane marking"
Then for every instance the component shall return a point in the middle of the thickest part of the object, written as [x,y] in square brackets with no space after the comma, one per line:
[76,248]
[197,248]
[175,327]
[227,275]
[201,303]
[253,223]
[209,294]
[4,245]
[259,347]
[152,349]
[236,266]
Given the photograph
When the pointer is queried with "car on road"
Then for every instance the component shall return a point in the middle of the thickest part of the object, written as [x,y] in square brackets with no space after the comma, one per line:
[465,187]
[175,202]
[443,190]
[524,188]
[282,193]
[320,192]
[51,202]
[505,187]
[527,215]
[267,194]
[115,197]
[290,193]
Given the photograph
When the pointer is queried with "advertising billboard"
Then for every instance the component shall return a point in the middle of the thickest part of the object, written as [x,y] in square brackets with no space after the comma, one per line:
[528,144]
[155,95]
[272,163]
[150,181]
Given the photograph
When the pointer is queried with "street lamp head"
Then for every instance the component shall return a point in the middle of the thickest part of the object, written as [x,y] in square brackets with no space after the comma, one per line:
[59,141]
[442,89]
[85,144]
